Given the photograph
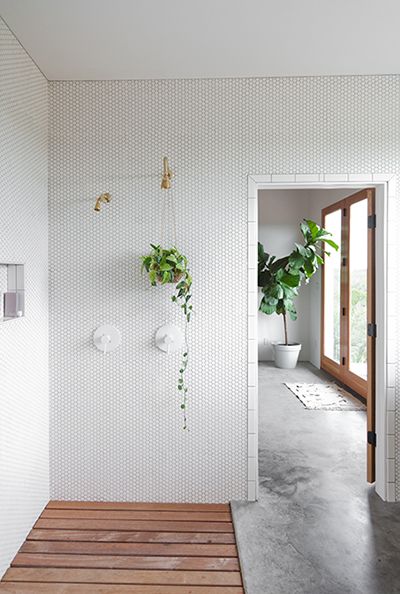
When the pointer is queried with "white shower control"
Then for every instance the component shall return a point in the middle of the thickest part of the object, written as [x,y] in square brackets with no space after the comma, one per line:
[169,338]
[107,338]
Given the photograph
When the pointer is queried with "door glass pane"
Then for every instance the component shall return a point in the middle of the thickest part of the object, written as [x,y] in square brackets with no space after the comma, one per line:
[358,261]
[333,224]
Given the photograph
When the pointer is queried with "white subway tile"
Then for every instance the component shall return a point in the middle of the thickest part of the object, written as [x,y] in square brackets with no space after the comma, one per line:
[287,178]
[252,374]
[251,491]
[336,177]
[252,280]
[390,471]
[252,398]
[390,399]
[390,446]
[252,210]
[252,351]
[390,420]
[252,445]
[307,177]
[252,304]
[381,177]
[251,469]
[252,327]
[252,421]
[260,179]
[252,233]
[252,256]
[360,177]
[251,187]
[391,375]
[391,492]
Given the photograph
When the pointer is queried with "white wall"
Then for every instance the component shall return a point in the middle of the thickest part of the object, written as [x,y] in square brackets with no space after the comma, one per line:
[116,432]
[279,215]
[24,464]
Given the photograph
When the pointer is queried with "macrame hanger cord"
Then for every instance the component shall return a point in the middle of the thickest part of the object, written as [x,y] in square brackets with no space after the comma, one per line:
[168,219]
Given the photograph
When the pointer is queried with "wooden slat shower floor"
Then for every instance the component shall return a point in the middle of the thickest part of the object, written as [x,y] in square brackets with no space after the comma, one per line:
[138,548]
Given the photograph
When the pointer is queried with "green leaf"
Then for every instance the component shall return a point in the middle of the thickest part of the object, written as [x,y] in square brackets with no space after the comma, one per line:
[296,259]
[332,244]
[314,228]
[165,266]
[309,268]
[267,309]
[292,280]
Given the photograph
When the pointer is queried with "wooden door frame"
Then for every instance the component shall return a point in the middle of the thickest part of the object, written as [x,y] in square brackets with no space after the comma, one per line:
[346,376]
[385,187]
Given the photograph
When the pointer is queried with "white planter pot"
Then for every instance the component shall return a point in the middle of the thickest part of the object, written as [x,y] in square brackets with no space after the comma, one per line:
[286,356]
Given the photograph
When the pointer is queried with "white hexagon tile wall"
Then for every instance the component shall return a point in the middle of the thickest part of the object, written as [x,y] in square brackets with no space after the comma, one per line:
[116,430]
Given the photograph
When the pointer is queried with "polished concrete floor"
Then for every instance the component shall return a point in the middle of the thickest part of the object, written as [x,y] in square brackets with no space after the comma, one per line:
[318,527]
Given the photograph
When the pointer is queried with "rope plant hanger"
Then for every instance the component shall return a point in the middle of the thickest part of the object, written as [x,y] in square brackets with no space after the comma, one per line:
[166,265]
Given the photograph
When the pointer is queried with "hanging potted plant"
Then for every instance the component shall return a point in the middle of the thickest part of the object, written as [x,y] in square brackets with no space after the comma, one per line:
[169,266]
[281,279]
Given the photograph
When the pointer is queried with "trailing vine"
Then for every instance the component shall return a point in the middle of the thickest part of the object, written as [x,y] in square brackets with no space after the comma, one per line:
[169,266]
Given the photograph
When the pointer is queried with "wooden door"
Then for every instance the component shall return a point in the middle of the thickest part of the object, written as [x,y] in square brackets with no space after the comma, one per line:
[348,327]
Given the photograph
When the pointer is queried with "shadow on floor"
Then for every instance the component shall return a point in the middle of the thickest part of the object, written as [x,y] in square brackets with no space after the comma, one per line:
[318,527]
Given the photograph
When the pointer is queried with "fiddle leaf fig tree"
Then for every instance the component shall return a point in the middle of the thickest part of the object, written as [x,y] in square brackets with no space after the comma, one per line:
[280,279]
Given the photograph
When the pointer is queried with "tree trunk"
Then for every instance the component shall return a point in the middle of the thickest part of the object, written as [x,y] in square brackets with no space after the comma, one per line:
[285,328]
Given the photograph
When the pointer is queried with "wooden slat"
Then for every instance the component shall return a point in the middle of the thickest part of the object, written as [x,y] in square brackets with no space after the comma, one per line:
[125,536]
[157,526]
[43,588]
[97,548]
[175,516]
[125,562]
[207,507]
[120,548]
[124,576]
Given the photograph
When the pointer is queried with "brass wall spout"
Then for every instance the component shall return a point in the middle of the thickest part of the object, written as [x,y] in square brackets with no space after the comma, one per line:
[103,198]
[167,174]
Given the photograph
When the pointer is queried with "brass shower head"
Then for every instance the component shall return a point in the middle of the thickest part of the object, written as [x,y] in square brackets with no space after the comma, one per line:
[167,174]
[105,197]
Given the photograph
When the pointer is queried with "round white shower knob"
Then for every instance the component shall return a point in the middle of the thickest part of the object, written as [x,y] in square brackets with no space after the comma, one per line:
[169,338]
[107,338]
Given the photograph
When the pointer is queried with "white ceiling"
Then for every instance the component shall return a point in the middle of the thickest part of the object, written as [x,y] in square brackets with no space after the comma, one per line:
[126,39]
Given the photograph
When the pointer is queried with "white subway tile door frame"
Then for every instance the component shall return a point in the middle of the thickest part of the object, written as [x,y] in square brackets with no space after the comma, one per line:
[385,185]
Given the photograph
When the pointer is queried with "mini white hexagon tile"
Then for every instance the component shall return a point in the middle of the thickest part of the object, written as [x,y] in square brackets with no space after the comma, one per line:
[116,431]
[24,394]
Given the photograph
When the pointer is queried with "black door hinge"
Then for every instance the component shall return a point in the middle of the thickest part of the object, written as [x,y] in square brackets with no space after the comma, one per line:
[371,438]
[344,261]
[371,330]
[372,221]
[343,360]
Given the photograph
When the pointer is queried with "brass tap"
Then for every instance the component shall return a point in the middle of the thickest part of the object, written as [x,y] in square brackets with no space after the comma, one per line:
[103,198]
[167,174]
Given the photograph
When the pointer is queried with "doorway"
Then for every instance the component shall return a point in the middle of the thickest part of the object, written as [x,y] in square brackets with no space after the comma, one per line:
[383,187]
